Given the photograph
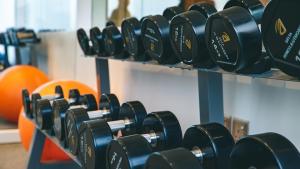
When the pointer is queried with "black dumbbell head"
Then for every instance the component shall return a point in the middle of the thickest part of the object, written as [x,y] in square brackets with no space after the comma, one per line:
[84,42]
[109,23]
[254,7]
[89,101]
[212,139]
[173,159]
[60,106]
[135,111]
[188,35]
[73,120]
[187,31]
[205,9]
[265,151]
[59,91]
[94,136]
[280,28]
[131,32]
[233,39]
[74,95]
[129,152]
[97,41]
[156,40]
[34,98]
[167,125]
[110,102]
[170,12]
[113,41]
[26,103]
[44,114]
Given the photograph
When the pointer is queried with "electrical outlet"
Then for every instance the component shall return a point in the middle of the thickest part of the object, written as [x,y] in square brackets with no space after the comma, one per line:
[240,128]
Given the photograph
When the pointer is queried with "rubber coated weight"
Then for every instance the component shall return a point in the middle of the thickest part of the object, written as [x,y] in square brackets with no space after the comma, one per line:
[94,143]
[280,28]
[97,41]
[45,114]
[254,7]
[170,12]
[215,142]
[131,32]
[171,159]
[265,151]
[110,102]
[109,109]
[233,38]
[113,41]
[30,104]
[167,125]
[188,35]
[84,42]
[60,108]
[156,36]
[162,131]
[205,146]
[26,103]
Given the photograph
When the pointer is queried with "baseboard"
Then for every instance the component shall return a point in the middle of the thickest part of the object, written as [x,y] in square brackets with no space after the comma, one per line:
[9,136]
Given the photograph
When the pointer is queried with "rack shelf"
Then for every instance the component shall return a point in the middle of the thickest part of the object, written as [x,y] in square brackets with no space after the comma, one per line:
[274,74]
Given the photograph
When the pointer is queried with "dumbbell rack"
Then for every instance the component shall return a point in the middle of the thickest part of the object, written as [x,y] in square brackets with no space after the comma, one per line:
[210,85]
[36,151]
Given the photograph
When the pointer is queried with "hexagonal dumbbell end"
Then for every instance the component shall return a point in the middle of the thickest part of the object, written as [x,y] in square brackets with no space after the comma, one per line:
[205,146]
[265,151]
[95,135]
[162,131]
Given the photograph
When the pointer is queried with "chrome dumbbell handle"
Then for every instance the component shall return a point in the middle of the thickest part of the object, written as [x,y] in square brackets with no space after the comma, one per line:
[120,124]
[152,138]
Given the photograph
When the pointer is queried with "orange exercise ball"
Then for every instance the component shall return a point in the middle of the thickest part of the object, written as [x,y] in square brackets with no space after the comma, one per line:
[12,81]
[50,152]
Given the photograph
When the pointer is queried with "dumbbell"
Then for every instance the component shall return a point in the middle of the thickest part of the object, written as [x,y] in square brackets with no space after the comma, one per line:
[155,35]
[44,111]
[97,41]
[206,146]
[234,39]
[113,42]
[280,29]
[107,102]
[95,135]
[264,151]
[21,37]
[162,131]
[187,31]
[131,32]
[30,104]
[75,117]
[85,42]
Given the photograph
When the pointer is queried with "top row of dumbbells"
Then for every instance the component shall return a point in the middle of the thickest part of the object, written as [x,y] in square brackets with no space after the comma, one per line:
[204,37]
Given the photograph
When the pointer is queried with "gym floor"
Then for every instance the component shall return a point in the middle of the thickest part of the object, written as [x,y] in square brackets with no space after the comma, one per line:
[12,155]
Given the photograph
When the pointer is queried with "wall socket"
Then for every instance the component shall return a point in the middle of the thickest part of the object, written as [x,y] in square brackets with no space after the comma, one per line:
[238,127]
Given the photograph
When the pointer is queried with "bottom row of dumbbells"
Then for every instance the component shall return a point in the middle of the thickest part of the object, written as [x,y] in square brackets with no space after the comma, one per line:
[127,137]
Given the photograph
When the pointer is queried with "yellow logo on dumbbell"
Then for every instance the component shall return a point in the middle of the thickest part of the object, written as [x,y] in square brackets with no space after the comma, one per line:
[279,27]
[152,47]
[188,43]
[225,37]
